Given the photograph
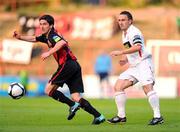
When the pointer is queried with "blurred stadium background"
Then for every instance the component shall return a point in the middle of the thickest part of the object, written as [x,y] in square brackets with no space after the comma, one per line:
[90,26]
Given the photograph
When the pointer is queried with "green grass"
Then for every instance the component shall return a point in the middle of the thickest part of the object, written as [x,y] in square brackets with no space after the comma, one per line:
[46,115]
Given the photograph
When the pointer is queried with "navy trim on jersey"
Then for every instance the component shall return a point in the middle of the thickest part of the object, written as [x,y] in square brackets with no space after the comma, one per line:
[136,39]
[137,42]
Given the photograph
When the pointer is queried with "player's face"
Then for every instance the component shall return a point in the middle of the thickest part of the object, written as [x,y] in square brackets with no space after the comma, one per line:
[44,26]
[124,22]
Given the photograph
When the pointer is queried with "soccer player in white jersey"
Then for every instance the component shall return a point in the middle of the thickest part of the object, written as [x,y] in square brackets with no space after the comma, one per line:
[140,70]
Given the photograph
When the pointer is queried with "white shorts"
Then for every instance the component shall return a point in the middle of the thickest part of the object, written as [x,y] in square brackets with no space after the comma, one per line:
[142,72]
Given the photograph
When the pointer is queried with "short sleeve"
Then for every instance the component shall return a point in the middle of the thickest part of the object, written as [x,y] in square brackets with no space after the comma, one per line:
[41,38]
[55,38]
[137,39]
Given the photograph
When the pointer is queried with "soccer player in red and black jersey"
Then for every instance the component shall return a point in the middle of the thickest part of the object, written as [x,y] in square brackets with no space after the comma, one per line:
[69,70]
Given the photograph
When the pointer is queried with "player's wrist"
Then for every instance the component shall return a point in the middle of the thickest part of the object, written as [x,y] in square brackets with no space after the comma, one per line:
[49,52]
[19,37]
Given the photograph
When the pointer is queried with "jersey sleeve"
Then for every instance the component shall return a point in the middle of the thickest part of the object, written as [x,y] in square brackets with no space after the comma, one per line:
[41,38]
[136,38]
[54,38]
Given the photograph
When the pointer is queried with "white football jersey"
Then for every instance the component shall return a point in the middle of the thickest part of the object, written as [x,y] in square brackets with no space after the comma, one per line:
[132,37]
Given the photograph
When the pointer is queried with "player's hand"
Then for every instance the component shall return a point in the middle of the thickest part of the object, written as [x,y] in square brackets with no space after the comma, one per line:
[116,53]
[122,62]
[45,55]
[16,35]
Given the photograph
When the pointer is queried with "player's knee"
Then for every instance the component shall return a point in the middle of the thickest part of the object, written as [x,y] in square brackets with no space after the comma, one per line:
[121,85]
[76,97]
[118,88]
[47,91]
[148,88]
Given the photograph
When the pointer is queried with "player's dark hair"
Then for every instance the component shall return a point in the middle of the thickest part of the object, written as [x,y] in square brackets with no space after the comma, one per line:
[48,18]
[128,14]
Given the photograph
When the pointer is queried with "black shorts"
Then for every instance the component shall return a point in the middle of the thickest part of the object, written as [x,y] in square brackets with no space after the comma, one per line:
[69,73]
[103,76]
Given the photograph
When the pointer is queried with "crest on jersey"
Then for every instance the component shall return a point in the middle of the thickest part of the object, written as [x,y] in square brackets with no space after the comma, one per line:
[127,45]
[56,38]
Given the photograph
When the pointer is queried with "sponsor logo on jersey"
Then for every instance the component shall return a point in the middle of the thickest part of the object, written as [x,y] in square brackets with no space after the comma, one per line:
[127,45]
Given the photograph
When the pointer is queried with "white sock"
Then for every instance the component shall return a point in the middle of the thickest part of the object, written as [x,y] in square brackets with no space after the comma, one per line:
[154,102]
[120,99]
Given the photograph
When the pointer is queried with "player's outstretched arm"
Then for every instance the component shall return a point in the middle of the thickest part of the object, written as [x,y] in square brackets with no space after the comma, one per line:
[24,37]
[116,53]
[58,45]
[133,49]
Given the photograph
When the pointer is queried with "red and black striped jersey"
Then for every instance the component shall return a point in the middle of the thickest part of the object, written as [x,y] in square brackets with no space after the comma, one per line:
[51,39]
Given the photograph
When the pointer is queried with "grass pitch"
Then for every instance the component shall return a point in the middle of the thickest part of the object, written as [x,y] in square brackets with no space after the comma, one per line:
[43,114]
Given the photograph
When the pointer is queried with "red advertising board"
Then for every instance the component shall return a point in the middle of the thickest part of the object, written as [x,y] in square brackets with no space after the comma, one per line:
[169,62]
[166,56]
[178,87]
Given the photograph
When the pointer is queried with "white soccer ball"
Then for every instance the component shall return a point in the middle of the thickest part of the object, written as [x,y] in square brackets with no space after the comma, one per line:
[16,90]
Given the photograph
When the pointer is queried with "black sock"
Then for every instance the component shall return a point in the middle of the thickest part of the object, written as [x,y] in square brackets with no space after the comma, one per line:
[59,96]
[88,107]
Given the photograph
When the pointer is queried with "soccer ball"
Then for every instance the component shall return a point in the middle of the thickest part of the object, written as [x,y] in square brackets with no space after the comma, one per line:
[16,90]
